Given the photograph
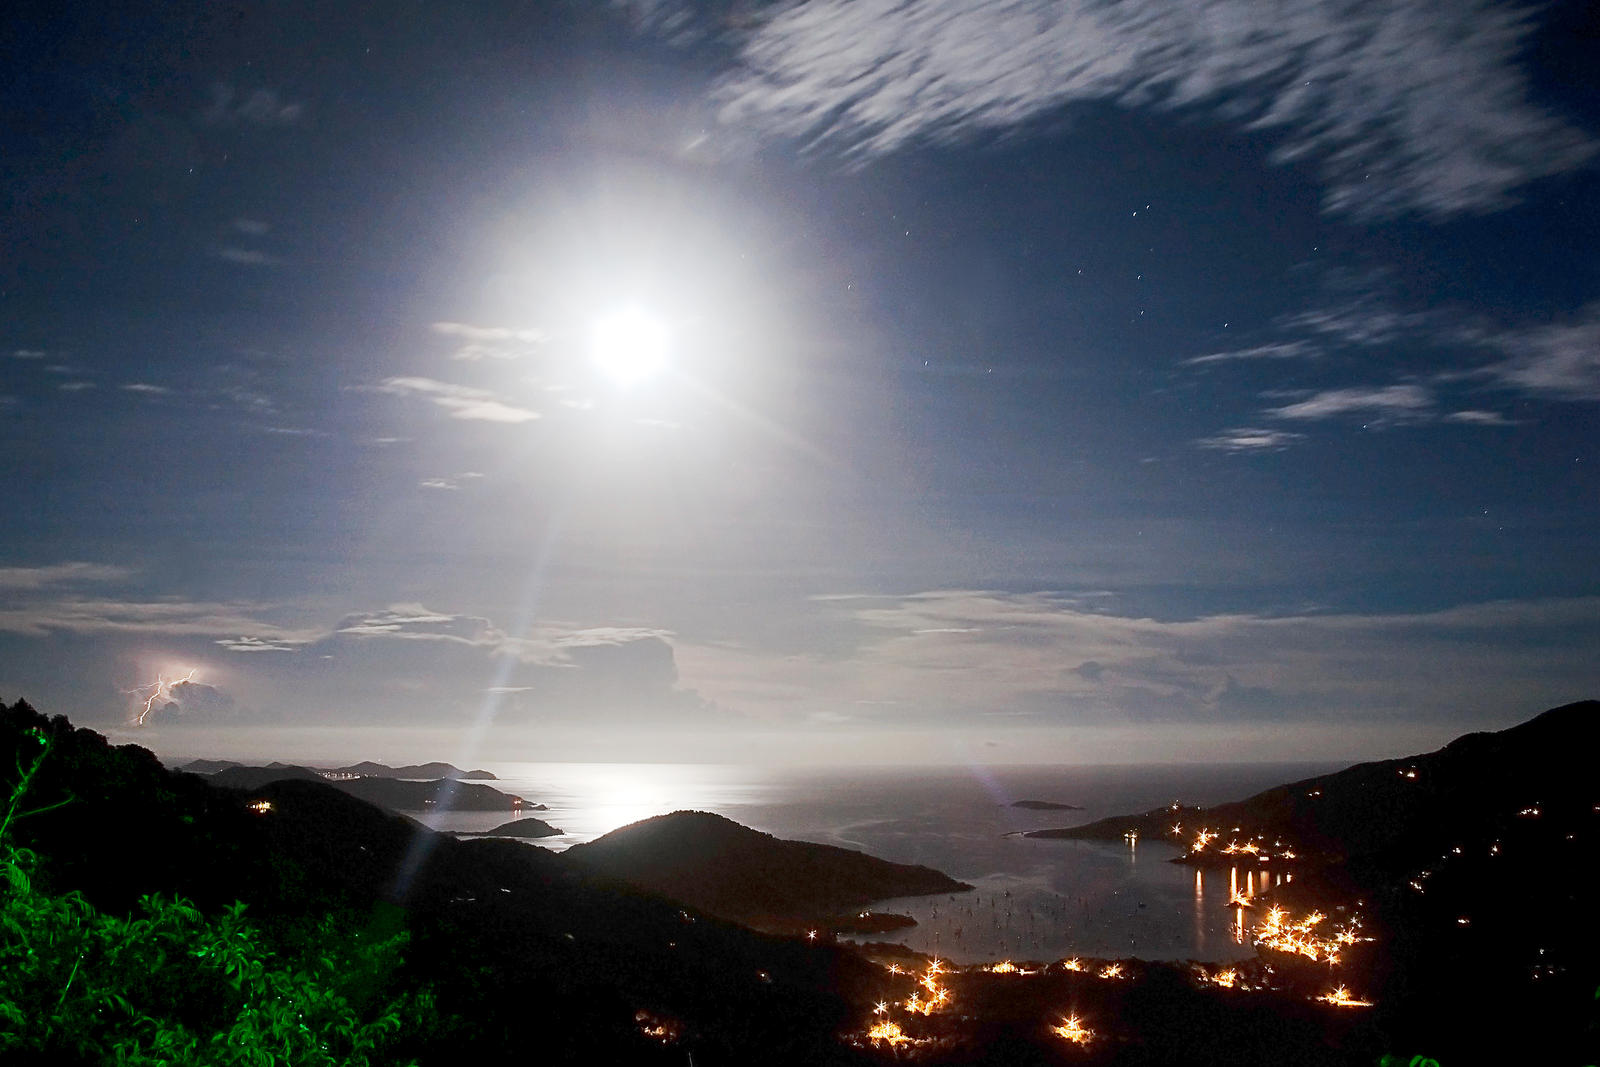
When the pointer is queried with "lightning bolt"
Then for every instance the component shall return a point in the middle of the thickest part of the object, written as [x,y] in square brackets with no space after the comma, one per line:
[160,689]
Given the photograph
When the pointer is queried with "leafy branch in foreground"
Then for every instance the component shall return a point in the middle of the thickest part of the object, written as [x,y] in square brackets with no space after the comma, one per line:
[170,985]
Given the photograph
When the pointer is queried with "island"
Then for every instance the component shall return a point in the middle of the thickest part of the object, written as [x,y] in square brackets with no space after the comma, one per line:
[368,769]
[1044,805]
[717,866]
[523,828]
[396,794]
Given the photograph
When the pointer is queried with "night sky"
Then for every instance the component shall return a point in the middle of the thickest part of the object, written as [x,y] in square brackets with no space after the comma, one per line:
[852,380]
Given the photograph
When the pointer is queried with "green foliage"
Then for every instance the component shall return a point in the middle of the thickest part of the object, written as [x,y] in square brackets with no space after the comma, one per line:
[169,985]
[1389,1059]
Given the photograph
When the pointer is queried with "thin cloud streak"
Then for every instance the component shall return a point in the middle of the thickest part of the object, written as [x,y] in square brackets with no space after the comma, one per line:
[16,579]
[1276,350]
[1250,439]
[460,401]
[1390,401]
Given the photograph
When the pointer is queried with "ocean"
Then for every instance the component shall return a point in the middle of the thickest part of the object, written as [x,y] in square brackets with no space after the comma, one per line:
[1032,899]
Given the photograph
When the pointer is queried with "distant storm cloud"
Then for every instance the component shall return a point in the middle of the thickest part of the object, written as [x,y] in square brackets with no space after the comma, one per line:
[1404,105]
[198,698]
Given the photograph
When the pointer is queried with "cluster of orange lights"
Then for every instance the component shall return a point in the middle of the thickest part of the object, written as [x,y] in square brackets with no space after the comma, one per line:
[1073,1030]
[932,996]
[887,1030]
[656,1027]
[1341,997]
[1280,932]
[1253,847]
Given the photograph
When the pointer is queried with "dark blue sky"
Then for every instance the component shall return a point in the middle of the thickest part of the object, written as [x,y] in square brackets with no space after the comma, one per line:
[1043,380]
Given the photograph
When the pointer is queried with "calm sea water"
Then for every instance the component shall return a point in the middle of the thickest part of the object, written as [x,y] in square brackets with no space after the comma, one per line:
[1033,899]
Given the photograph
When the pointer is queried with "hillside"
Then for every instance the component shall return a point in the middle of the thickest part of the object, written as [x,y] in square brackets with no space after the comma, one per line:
[1394,814]
[720,867]
[524,955]
[1474,862]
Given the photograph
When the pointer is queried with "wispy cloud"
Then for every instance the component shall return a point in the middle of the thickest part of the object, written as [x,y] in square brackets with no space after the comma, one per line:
[170,618]
[452,483]
[28,353]
[491,342]
[230,106]
[1250,439]
[1276,350]
[1477,417]
[414,622]
[1559,361]
[1389,401]
[1404,105]
[29,578]
[486,333]
[461,401]
[145,389]
[257,644]
[248,257]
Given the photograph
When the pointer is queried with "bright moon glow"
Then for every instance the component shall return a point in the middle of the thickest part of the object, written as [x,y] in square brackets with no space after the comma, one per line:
[630,347]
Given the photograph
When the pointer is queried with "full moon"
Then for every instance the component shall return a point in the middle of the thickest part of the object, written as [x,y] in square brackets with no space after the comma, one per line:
[630,347]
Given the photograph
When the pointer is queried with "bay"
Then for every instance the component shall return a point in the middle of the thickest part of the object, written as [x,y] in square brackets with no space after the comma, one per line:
[1032,898]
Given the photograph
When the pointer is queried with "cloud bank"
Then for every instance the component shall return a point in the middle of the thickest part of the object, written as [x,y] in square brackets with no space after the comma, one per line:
[955,657]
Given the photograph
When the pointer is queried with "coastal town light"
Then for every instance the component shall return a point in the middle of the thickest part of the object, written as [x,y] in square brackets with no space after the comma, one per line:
[1073,1030]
